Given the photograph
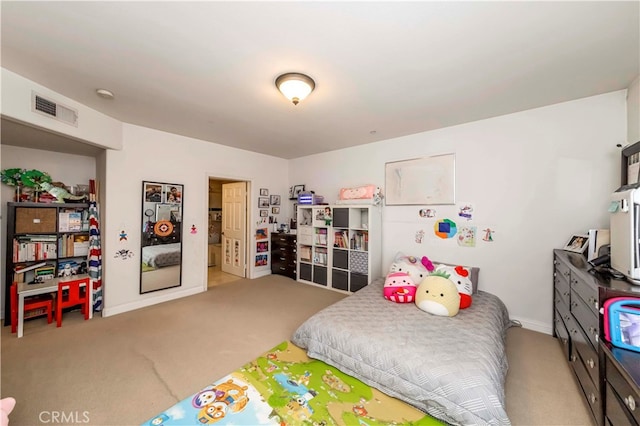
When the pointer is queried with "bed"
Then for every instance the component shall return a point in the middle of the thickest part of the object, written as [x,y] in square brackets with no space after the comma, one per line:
[453,368]
[162,255]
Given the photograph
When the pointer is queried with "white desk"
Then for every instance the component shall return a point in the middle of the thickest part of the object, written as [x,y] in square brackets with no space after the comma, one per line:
[49,286]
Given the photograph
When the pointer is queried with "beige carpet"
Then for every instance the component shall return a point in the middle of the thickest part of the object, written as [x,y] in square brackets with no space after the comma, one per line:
[124,369]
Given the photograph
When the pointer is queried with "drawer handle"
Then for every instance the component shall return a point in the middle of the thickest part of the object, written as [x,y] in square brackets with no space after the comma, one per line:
[592,398]
[573,358]
[630,402]
[591,363]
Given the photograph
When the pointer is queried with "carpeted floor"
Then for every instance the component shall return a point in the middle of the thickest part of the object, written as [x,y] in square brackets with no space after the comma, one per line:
[124,369]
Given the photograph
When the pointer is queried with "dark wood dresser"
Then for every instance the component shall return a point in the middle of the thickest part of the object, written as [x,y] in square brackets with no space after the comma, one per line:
[578,324]
[283,254]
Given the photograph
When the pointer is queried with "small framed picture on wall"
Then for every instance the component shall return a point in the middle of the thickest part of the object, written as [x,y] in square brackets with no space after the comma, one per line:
[264,192]
[264,213]
[275,210]
[275,200]
[263,202]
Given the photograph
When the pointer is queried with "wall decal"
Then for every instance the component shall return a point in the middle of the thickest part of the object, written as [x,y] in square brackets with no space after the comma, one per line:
[123,235]
[427,213]
[194,230]
[488,235]
[124,254]
[445,228]
[467,236]
[465,210]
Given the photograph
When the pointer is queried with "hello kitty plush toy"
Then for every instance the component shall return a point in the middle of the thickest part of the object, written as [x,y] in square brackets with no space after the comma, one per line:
[410,265]
[461,277]
[399,288]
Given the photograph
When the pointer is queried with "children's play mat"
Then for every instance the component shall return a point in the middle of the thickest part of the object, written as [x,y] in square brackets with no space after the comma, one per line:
[285,387]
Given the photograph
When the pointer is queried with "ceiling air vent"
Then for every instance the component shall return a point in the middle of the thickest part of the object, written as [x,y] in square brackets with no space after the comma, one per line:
[52,109]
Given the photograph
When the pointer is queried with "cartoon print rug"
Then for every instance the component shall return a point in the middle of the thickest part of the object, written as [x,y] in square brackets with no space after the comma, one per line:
[285,387]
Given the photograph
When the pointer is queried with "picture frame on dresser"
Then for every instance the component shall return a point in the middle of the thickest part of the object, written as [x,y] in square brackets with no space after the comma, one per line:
[578,243]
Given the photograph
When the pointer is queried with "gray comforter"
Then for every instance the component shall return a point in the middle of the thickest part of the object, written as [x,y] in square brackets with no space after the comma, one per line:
[453,368]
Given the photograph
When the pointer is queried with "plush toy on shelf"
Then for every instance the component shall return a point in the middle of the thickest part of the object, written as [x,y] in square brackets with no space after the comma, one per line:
[399,288]
[438,295]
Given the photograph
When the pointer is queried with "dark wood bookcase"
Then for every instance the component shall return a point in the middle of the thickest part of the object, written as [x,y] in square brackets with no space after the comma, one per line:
[46,236]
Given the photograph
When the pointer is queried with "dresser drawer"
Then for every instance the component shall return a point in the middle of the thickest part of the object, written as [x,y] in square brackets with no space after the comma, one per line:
[586,292]
[588,355]
[562,334]
[587,319]
[560,304]
[616,411]
[283,240]
[562,270]
[626,395]
[591,392]
[284,253]
[562,287]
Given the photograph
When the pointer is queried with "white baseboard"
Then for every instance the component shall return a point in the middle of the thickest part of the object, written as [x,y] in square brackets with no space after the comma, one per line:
[534,325]
[106,312]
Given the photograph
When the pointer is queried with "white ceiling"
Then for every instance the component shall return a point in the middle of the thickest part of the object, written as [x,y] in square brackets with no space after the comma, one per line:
[382,69]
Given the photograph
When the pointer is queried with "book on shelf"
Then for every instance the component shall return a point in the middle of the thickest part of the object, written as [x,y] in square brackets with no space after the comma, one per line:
[321,236]
[320,256]
[73,245]
[28,249]
[69,221]
[305,253]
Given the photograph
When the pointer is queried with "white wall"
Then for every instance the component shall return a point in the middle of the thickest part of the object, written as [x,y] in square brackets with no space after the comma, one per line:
[633,111]
[153,155]
[70,169]
[535,177]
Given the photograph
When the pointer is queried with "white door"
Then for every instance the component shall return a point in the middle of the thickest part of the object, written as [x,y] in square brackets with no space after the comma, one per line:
[234,223]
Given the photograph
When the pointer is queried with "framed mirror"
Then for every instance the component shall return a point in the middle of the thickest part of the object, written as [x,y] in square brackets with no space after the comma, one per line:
[161,242]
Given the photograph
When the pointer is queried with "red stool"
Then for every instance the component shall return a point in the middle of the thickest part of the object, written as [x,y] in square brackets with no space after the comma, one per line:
[72,293]
[30,304]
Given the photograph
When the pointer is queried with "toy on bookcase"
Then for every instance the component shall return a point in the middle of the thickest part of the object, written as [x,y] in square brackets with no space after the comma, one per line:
[61,194]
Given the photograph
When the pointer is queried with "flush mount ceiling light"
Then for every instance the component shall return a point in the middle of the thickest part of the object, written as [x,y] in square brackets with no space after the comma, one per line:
[295,86]
[104,93]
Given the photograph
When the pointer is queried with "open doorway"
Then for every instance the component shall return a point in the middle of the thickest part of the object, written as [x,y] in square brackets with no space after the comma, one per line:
[227,231]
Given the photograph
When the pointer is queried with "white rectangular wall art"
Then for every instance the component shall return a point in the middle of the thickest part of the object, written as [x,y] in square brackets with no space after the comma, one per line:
[421,181]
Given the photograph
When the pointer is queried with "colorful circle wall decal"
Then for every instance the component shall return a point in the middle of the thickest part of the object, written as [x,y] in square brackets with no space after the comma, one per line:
[445,228]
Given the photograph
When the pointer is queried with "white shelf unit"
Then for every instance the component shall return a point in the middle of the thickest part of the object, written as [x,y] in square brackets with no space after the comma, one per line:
[344,252]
